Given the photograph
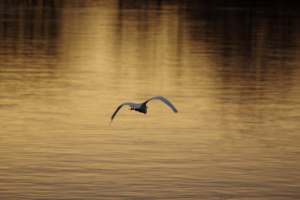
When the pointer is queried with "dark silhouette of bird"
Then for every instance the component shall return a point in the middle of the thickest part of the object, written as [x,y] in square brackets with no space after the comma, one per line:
[141,107]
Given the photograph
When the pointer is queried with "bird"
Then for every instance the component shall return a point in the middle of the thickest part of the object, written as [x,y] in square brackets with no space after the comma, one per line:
[141,107]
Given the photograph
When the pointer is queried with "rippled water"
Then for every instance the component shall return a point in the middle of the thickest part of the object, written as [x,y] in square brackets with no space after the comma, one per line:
[232,71]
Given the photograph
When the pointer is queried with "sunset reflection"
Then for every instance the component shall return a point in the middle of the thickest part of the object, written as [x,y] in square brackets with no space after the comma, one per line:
[230,68]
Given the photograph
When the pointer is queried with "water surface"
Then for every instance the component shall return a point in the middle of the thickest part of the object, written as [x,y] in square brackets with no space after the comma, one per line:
[232,71]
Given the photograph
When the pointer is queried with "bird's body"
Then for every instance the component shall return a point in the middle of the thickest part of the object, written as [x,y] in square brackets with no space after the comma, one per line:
[141,107]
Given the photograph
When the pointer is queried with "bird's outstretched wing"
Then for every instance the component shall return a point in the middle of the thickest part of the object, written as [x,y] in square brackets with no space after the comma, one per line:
[166,101]
[112,117]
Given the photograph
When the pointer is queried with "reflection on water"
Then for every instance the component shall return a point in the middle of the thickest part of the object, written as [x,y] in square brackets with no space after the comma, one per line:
[231,69]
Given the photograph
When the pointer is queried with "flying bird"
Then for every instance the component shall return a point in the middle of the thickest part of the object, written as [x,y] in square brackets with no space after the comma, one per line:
[141,107]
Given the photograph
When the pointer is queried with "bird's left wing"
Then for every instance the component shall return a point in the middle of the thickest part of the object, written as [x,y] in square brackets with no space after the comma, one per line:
[166,101]
[128,103]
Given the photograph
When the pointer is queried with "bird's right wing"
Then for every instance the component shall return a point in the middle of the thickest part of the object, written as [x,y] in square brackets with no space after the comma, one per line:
[112,117]
[166,101]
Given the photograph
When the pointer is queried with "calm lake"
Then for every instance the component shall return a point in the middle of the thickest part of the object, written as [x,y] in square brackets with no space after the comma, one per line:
[231,68]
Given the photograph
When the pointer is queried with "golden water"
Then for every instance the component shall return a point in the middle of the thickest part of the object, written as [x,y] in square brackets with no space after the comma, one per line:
[233,75]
